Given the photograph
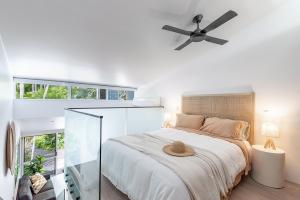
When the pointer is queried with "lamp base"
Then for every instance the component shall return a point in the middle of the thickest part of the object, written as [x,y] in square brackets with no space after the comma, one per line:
[167,124]
[270,144]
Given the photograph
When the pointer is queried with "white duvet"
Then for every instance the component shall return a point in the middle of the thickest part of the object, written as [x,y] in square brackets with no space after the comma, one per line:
[142,178]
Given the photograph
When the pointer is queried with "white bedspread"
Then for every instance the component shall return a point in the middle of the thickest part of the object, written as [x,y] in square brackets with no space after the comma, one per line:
[142,178]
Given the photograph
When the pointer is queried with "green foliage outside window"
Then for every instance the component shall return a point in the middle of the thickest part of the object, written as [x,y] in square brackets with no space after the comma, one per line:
[37,91]
[61,141]
[83,93]
[122,95]
[47,142]
[57,92]
[36,165]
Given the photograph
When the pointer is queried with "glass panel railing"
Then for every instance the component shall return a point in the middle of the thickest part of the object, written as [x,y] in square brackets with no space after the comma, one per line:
[85,130]
[113,122]
[141,120]
[82,163]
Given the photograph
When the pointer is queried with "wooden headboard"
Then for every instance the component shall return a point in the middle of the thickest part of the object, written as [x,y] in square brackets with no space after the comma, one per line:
[230,106]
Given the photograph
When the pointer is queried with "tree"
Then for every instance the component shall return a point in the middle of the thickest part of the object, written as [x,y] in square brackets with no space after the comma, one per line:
[48,143]
[57,92]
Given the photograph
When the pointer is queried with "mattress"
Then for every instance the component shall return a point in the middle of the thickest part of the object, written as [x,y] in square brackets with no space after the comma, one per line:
[141,177]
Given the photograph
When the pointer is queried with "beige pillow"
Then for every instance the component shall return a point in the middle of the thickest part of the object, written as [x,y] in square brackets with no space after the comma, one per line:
[38,181]
[223,127]
[189,121]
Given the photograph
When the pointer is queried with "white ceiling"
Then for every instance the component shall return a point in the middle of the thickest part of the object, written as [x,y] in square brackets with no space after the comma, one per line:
[113,41]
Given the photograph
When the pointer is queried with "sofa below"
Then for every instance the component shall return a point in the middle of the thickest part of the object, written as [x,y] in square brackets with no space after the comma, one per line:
[25,191]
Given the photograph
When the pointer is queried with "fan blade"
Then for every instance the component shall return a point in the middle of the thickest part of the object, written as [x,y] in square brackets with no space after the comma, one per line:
[215,40]
[221,20]
[189,41]
[176,30]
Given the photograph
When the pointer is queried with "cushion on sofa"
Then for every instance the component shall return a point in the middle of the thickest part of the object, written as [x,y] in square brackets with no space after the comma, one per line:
[47,195]
[47,186]
[38,182]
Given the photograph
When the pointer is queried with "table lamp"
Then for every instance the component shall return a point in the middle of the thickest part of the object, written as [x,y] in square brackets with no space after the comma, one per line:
[270,130]
[167,120]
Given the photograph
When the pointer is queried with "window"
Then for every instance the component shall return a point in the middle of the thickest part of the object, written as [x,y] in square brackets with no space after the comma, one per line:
[83,93]
[102,93]
[40,91]
[17,162]
[47,89]
[113,95]
[130,95]
[60,153]
[120,95]
[44,153]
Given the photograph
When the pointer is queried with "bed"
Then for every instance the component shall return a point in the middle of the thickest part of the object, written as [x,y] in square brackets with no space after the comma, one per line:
[142,175]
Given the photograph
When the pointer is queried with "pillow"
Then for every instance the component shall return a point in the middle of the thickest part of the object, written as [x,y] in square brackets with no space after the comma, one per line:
[38,181]
[189,121]
[224,127]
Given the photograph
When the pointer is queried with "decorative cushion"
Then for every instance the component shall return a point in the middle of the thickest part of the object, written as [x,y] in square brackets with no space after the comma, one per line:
[38,181]
[189,121]
[47,195]
[223,127]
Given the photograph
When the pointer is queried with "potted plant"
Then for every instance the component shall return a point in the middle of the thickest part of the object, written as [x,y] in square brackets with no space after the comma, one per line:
[35,166]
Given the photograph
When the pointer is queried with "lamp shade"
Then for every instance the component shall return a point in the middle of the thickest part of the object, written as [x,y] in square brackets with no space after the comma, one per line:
[269,129]
[167,117]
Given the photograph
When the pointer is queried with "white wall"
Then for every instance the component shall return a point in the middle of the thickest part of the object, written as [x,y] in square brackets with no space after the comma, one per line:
[269,66]
[6,179]
[55,108]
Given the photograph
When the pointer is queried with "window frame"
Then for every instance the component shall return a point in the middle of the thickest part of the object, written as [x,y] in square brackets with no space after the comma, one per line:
[69,86]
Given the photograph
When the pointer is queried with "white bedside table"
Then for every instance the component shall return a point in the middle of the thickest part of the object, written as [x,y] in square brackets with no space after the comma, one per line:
[267,166]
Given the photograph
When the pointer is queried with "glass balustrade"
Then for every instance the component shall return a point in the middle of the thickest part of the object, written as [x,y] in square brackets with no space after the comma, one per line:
[86,130]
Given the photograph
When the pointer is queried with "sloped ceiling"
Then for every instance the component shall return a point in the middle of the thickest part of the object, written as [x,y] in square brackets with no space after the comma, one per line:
[114,41]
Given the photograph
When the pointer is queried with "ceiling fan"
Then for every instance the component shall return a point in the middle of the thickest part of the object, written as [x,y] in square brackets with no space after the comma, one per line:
[199,35]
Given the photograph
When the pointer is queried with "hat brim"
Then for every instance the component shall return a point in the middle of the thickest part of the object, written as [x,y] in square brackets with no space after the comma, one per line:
[188,151]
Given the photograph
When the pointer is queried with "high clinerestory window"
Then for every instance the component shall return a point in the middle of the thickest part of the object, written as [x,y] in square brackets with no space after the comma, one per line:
[40,91]
[47,89]
[120,95]
[83,93]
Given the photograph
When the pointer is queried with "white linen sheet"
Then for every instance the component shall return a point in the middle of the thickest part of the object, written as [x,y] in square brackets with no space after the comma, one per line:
[142,178]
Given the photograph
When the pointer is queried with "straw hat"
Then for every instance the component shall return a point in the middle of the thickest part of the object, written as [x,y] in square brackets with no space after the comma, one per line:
[178,148]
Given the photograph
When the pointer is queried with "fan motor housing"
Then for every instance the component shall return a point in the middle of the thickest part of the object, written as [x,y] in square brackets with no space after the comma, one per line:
[197,36]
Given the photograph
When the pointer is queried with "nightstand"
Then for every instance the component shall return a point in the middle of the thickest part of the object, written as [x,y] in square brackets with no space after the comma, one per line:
[268,166]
